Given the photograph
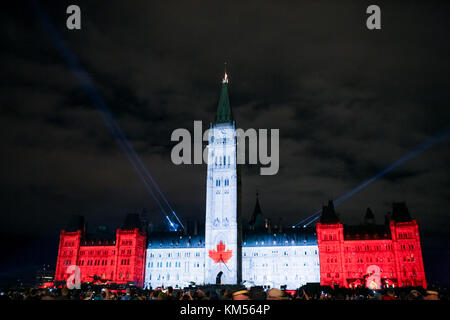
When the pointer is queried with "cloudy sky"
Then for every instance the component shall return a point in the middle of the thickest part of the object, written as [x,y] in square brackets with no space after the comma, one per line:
[348,102]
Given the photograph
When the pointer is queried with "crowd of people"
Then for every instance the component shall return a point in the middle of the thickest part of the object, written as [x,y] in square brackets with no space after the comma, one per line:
[215,293]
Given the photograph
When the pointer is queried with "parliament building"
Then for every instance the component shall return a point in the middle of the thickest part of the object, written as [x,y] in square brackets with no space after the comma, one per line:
[224,251]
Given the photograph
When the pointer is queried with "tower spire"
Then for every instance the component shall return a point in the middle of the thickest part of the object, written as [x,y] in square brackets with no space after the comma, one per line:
[223,109]
[225,75]
[256,220]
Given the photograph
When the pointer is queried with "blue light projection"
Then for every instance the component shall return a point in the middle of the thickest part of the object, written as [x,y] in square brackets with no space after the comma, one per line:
[119,136]
[438,138]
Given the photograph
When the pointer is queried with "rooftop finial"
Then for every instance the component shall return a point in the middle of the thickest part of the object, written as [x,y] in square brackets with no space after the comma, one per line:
[225,77]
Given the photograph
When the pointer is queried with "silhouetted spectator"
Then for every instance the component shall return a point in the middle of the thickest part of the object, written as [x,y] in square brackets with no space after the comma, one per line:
[240,295]
[127,296]
[431,295]
[414,295]
[257,294]
[276,294]
[389,295]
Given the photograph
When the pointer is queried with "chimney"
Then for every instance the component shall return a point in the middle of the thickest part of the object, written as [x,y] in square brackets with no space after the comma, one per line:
[186,229]
[268,225]
[280,228]
[387,218]
[144,219]
[195,227]
[150,227]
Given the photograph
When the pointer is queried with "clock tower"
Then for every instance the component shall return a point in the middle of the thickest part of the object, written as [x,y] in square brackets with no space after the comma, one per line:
[222,224]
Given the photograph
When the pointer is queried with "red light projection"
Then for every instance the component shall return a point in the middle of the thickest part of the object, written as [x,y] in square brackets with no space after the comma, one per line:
[351,261]
[374,280]
[220,255]
[119,261]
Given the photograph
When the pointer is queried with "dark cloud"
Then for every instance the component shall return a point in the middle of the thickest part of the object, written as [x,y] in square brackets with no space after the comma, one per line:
[348,102]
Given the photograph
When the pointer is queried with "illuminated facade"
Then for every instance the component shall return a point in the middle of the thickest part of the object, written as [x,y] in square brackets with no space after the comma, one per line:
[102,257]
[274,260]
[224,253]
[270,260]
[175,259]
[271,257]
[371,255]
[222,228]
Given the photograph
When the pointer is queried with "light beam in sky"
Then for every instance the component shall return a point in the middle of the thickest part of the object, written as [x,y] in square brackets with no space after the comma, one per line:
[119,136]
[438,138]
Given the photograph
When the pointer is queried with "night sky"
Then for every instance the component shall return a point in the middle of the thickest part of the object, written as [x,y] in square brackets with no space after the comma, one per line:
[348,102]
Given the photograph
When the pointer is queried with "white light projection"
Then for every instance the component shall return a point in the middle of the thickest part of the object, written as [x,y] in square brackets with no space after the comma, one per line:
[175,260]
[277,266]
[176,267]
[221,224]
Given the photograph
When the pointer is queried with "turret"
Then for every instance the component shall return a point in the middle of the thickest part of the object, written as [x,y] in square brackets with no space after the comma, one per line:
[369,218]
[400,212]
[256,221]
[329,214]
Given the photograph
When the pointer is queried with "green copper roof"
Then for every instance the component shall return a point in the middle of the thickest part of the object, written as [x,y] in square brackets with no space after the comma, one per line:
[223,109]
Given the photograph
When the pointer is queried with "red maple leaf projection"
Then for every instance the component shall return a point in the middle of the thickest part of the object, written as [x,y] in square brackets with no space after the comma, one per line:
[220,255]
